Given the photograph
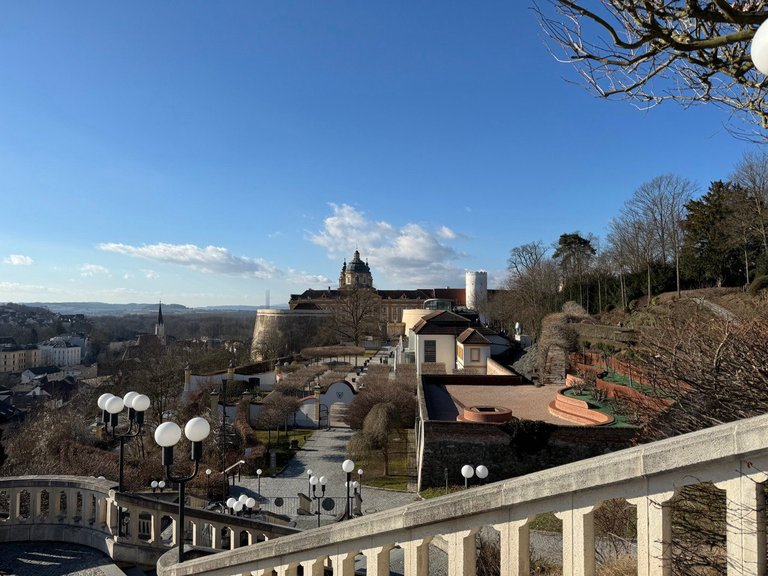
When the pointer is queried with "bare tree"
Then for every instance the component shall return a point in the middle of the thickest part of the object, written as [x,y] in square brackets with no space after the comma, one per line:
[687,51]
[357,314]
[751,174]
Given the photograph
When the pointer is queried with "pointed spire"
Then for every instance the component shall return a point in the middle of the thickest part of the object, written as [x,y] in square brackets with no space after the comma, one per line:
[160,313]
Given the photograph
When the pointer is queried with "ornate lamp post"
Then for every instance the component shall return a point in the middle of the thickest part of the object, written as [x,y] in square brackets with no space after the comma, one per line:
[111,406]
[314,481]
[168,435]
[348,466]
[467,471]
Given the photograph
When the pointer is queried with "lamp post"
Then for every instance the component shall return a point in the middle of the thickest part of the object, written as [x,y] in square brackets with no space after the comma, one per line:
[208,472]
[158,485]
[111,406]
[348,466]
[314,481]
[258,477]
[309,477]
[167,435]
[360,480]
[467,471]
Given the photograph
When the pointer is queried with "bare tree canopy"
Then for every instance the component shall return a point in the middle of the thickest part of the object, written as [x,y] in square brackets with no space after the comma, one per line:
[688,51]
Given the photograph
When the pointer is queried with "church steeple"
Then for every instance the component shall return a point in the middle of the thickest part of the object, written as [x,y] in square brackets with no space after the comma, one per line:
[159,325]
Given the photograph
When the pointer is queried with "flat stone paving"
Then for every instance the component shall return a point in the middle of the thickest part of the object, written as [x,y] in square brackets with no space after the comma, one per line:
[54,559]
[323,453]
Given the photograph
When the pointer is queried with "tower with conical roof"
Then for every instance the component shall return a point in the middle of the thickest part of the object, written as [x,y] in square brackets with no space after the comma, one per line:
[355,274]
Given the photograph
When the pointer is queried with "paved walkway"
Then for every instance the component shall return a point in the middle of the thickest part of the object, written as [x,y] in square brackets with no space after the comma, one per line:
[323,453]
[54,559]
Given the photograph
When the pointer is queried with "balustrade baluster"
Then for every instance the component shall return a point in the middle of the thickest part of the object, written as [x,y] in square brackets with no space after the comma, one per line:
[343,564]
[377,560]
[287,569]
[462,552]
[416,557]
[314,567]
[514,547]
[578,541]
[654,534]
[745,524]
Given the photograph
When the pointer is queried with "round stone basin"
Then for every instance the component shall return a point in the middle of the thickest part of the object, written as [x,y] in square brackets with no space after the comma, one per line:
[486,414]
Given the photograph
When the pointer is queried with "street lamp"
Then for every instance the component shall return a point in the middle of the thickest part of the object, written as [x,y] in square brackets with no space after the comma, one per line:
[168,435]
[258,477]
[360,480]
[309,477]
[758,51]
[111,406]
[157,485]
[208,484]
[467,471]
[348,466]
[314,481]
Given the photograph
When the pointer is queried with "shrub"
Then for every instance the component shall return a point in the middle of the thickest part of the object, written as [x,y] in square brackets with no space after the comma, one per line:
[758,284]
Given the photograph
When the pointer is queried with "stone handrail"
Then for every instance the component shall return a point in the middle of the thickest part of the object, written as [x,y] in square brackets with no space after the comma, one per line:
[732,457]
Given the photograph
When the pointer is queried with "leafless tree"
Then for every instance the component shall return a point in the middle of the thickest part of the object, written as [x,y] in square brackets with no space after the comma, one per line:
[357,315]
[687,51]
[751,174]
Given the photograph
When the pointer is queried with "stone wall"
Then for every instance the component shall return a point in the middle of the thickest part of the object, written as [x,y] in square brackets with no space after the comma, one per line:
[510,450]
[290,330]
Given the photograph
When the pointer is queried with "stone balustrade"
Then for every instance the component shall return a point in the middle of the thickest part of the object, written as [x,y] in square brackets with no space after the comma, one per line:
[84,511]
[731,457]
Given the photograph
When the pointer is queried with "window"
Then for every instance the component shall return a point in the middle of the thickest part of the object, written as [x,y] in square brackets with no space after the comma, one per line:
[430,350]
[474,354]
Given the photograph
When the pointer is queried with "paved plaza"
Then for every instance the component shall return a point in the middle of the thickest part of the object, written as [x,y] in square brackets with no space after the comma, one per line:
[323,453]
[54,559]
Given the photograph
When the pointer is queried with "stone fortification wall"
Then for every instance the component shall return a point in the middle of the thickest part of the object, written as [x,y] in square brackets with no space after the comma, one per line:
[289,330]
[616,335]
[510,450]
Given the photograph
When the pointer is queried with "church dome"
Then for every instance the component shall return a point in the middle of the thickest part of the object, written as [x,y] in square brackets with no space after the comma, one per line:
[357,265]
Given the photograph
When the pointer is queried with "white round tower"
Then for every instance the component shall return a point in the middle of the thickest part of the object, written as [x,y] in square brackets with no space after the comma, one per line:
[477,289]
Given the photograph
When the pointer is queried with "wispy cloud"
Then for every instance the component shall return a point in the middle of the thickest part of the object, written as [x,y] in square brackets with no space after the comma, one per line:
[410,255]
[212,259]
[150,274]
[306,279]
[92,270]
[18,260]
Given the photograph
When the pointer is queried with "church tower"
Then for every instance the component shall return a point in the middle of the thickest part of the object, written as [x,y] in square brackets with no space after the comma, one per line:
[159,326]
[356,274]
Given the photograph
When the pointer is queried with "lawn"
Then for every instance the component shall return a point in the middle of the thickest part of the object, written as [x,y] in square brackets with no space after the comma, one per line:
[606,407]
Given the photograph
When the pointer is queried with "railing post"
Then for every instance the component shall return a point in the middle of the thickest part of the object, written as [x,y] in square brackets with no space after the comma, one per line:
[377,560]
[343,564]
[578,541]
[156,530]
[514,547]
[416,557]
[745,525]
[314,567]
[462,552]
[287,569]
[654,534]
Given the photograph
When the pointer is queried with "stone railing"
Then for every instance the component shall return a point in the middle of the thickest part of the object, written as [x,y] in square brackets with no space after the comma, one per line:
[732,457]
[84,511]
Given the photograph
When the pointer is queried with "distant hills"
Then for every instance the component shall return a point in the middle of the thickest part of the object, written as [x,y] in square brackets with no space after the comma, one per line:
[104,309]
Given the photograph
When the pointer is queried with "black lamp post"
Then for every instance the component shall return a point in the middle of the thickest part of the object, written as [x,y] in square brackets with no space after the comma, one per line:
[348,466]
[111,406]
[314,481]
[208,484]
[168,435]
[258,477]
[309,477]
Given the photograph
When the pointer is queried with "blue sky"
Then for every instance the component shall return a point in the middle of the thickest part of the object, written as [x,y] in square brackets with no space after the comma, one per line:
[203,153]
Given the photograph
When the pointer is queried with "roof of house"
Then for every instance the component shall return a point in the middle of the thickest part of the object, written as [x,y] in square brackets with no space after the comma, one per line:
[42,370]
[472,336]
[441,322]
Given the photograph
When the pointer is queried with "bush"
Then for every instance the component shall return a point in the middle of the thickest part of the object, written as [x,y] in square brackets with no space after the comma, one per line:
[758,284]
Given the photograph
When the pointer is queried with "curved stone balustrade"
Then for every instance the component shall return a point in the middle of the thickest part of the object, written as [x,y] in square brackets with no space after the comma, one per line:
[84,511]
[731,456]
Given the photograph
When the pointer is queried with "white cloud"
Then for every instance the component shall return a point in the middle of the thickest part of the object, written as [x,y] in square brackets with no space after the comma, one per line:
[209,259]
[18,260]
[17,287]
[151,274]
[446,233]
[92,270]
[410,256]
[306,279]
